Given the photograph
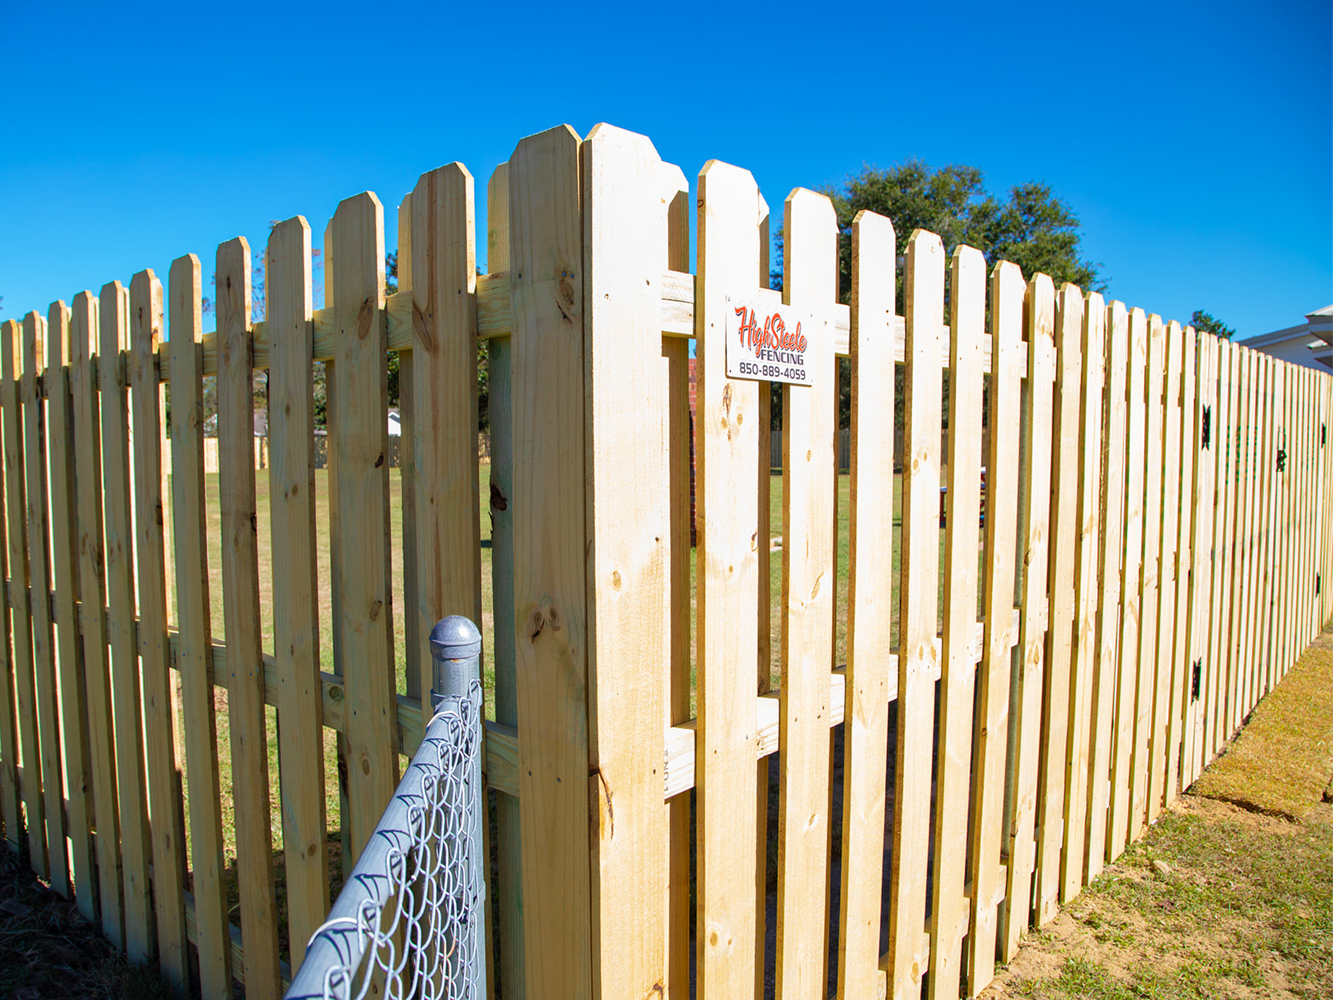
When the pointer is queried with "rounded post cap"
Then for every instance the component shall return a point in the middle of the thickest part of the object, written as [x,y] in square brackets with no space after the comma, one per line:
[455,638]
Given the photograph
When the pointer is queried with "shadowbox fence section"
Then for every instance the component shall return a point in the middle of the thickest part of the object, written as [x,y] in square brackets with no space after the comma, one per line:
[1152,557]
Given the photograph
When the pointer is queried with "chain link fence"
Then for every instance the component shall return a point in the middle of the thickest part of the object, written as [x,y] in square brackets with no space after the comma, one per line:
[409,922]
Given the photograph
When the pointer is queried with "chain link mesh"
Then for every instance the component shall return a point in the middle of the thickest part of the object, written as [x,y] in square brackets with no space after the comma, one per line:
[409,922]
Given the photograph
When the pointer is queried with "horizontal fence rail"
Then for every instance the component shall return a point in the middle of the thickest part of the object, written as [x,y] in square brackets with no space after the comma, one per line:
[980,661]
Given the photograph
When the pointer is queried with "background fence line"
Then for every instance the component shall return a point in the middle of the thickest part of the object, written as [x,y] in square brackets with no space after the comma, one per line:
[1153,555]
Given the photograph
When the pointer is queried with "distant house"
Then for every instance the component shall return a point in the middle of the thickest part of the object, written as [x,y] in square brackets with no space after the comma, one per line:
[395,423]
[1309,344]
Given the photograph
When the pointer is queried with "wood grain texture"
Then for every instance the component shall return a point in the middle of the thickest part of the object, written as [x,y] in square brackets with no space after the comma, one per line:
[444,404]
[763,416]
[1237,421]
[39,575]
[25,692]
[92,611]
[727,436]
[628,520]
[1243,567]
[550,583]
[136,847]
[11,808]
[810,282]
[1261,609]
[291,422]
[240,610]
[1087,562]
[1018,524]
[1189,510]
[869,600]
[678,437]
[194,655]
[1198,598]
[1166,609]
[1148,588]
[1118,829]
[923,292]
[1111,545]
[65,582]
[508,893]
[167,837]
[358,434]
[1058,689]
[949,905]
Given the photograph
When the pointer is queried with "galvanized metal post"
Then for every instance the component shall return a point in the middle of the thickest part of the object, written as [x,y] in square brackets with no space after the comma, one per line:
[455,646]
[427,847]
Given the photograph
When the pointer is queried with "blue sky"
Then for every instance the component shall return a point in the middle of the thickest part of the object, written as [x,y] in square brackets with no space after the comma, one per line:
[1194,141]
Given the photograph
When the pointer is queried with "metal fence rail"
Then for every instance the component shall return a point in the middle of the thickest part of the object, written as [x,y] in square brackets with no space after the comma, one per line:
[409,919]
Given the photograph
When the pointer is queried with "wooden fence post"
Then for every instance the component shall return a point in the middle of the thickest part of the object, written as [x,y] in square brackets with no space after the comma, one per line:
[65,578]
[240,589]
[168,839]
[958,673]
[507,896]
[1087,562]
[628,521]
[923,290]
[728,621]
[291,423]
[550,584]
[1022,527]
[25,695]
[869,600]
[1061,624]
[136,848]
[92,617]
[1018,469]
[39,570]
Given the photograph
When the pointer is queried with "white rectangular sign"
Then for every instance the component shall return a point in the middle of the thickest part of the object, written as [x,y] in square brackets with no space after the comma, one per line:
[769,342]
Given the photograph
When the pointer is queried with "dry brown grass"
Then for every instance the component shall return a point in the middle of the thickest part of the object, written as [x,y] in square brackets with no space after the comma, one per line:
[1282,761]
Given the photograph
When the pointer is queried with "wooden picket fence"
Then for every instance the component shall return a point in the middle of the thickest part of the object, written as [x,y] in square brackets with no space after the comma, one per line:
[1156,531]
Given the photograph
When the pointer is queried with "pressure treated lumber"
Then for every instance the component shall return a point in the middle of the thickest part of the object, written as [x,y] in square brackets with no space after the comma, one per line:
[807,613]
[923,290]
[65,581]
[136,848]
[869,599]
[507,892]
[92,618]
[1111,545]
[240,609]
[359,436]
[291,422]
[1058,688]
[194,652]
[727,455]
[1148,588]
[167,833]
[39,576]
[24,692]
[550,585]
[628,524]
[1018,508]
[949,905]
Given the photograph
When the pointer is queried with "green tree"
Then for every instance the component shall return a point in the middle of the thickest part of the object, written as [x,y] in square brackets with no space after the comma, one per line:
[1031,227]
[1207,323]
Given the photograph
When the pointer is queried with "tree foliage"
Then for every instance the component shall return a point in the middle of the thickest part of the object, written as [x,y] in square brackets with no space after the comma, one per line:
[1030,227]
[1207,323]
